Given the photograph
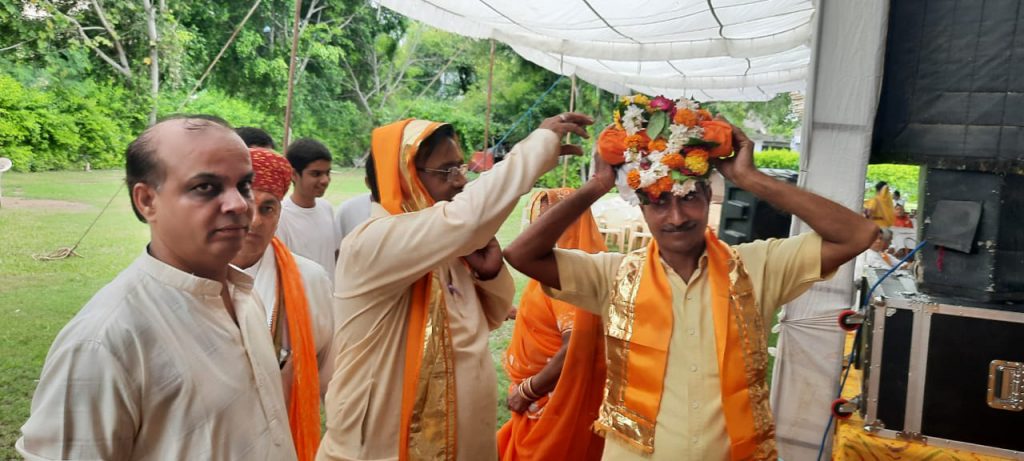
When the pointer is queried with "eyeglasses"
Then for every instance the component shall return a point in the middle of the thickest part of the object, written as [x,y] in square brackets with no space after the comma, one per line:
[450,174]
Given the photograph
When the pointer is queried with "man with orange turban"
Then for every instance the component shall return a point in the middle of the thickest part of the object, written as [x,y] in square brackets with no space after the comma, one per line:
[420,285]
[686,319]
[556,362]
[296,294]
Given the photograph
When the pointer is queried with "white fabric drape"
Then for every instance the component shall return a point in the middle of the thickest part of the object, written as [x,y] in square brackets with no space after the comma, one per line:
[706,49]
[845,80]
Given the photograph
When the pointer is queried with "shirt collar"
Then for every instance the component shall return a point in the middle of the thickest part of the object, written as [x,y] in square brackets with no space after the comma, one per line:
[171,276]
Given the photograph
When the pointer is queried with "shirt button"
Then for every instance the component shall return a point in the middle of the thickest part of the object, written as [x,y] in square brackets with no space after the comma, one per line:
[693,368]
[689,297]
[691,331]
[695,406]
[694,440]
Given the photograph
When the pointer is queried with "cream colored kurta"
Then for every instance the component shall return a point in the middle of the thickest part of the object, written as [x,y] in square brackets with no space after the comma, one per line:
[381,260]
[691,423]
[321,311]
[154,368]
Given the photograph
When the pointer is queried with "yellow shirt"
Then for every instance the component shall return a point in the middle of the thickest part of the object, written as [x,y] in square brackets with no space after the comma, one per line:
[690,423]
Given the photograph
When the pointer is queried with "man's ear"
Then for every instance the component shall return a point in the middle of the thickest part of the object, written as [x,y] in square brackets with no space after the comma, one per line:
[144,197]
[296,176]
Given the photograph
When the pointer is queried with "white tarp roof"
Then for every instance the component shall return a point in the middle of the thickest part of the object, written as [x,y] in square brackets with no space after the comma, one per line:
[706,49]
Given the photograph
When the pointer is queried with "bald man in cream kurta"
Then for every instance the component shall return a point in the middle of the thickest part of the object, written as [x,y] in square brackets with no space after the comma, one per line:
[379,262]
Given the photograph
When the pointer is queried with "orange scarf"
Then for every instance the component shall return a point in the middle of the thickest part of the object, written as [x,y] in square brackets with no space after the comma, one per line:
[638,353]
[563,428]
[304,401]
[428,389]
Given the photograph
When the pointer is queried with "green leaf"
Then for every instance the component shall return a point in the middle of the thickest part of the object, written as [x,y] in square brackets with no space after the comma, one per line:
[658,122]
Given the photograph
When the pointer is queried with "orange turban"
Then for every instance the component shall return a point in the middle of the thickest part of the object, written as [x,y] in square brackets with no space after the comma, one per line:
[719,132]
[271,172]
[611,144]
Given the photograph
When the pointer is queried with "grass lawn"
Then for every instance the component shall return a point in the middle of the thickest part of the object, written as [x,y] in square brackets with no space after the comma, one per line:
[43,212]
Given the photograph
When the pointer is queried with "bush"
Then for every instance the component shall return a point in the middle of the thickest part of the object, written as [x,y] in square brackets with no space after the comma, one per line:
[778,158]
[903,178]
[52,124]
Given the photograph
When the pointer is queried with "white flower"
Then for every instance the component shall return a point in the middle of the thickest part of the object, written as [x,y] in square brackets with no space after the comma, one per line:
[633,120]
[681,190]
[631,155]
[648,177]
[655,157]
[683,103]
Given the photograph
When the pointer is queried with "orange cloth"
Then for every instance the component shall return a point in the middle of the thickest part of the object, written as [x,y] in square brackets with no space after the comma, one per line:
[611,145]
[652,333]
[558,426]
[304,405]
[401,191]
[903,221]
[272,172]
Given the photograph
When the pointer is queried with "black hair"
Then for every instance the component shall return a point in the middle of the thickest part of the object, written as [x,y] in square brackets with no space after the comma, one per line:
[141,163]
[879,185]
[305,151]
[371,178]
[896,193]
[428,145]
[256,137]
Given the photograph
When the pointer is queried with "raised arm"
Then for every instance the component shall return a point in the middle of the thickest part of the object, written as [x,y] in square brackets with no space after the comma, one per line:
[844,234]
[457,228]
[531,253]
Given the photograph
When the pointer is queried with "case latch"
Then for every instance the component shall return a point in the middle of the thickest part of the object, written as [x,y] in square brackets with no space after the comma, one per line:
[1006,385]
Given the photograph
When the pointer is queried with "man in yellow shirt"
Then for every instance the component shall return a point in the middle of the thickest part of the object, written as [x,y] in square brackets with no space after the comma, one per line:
[686,318]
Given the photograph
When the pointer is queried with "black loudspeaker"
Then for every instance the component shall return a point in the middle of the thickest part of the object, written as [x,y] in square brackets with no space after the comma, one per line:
[746,218]
[953,86]
[973,223]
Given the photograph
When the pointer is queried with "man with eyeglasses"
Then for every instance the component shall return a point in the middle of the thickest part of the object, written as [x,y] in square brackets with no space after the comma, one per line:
[420,285]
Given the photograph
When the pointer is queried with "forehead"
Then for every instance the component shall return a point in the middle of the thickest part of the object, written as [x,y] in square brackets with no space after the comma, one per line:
[263,197]
[446,152]
[187,149]
[319,166]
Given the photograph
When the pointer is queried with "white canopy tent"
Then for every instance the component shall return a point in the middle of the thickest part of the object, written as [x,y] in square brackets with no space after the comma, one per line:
[707,49]
[715,50]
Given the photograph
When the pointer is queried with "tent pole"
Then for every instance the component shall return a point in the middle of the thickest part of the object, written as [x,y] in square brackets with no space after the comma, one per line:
[572,108]
[291,74]
[490,83]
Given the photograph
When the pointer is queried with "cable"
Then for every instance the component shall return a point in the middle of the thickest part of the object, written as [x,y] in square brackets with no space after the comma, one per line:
[521,117]
[856,339]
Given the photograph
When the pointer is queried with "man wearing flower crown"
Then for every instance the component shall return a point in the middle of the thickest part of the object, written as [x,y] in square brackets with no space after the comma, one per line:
[420,285]
[686,319]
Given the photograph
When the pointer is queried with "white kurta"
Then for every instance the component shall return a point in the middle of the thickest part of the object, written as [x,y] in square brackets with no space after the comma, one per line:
[351,213]
[154,368]
[321,311]
[380,261]
[310,232]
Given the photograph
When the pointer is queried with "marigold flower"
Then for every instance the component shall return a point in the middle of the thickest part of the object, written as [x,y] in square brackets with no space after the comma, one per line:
[697,161]
[673,161]
[637,141]
[657,145]
[633,179]
[685,117]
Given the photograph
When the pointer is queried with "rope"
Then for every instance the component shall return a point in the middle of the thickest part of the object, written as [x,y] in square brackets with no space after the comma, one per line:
[291,73]
[67,252]
[490,83]
[231,40]
[525,114]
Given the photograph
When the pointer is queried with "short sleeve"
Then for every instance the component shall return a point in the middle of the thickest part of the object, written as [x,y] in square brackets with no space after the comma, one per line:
[586,279]
[783,268]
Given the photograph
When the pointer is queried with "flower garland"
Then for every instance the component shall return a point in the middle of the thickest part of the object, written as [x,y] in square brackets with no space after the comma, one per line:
[664,145]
